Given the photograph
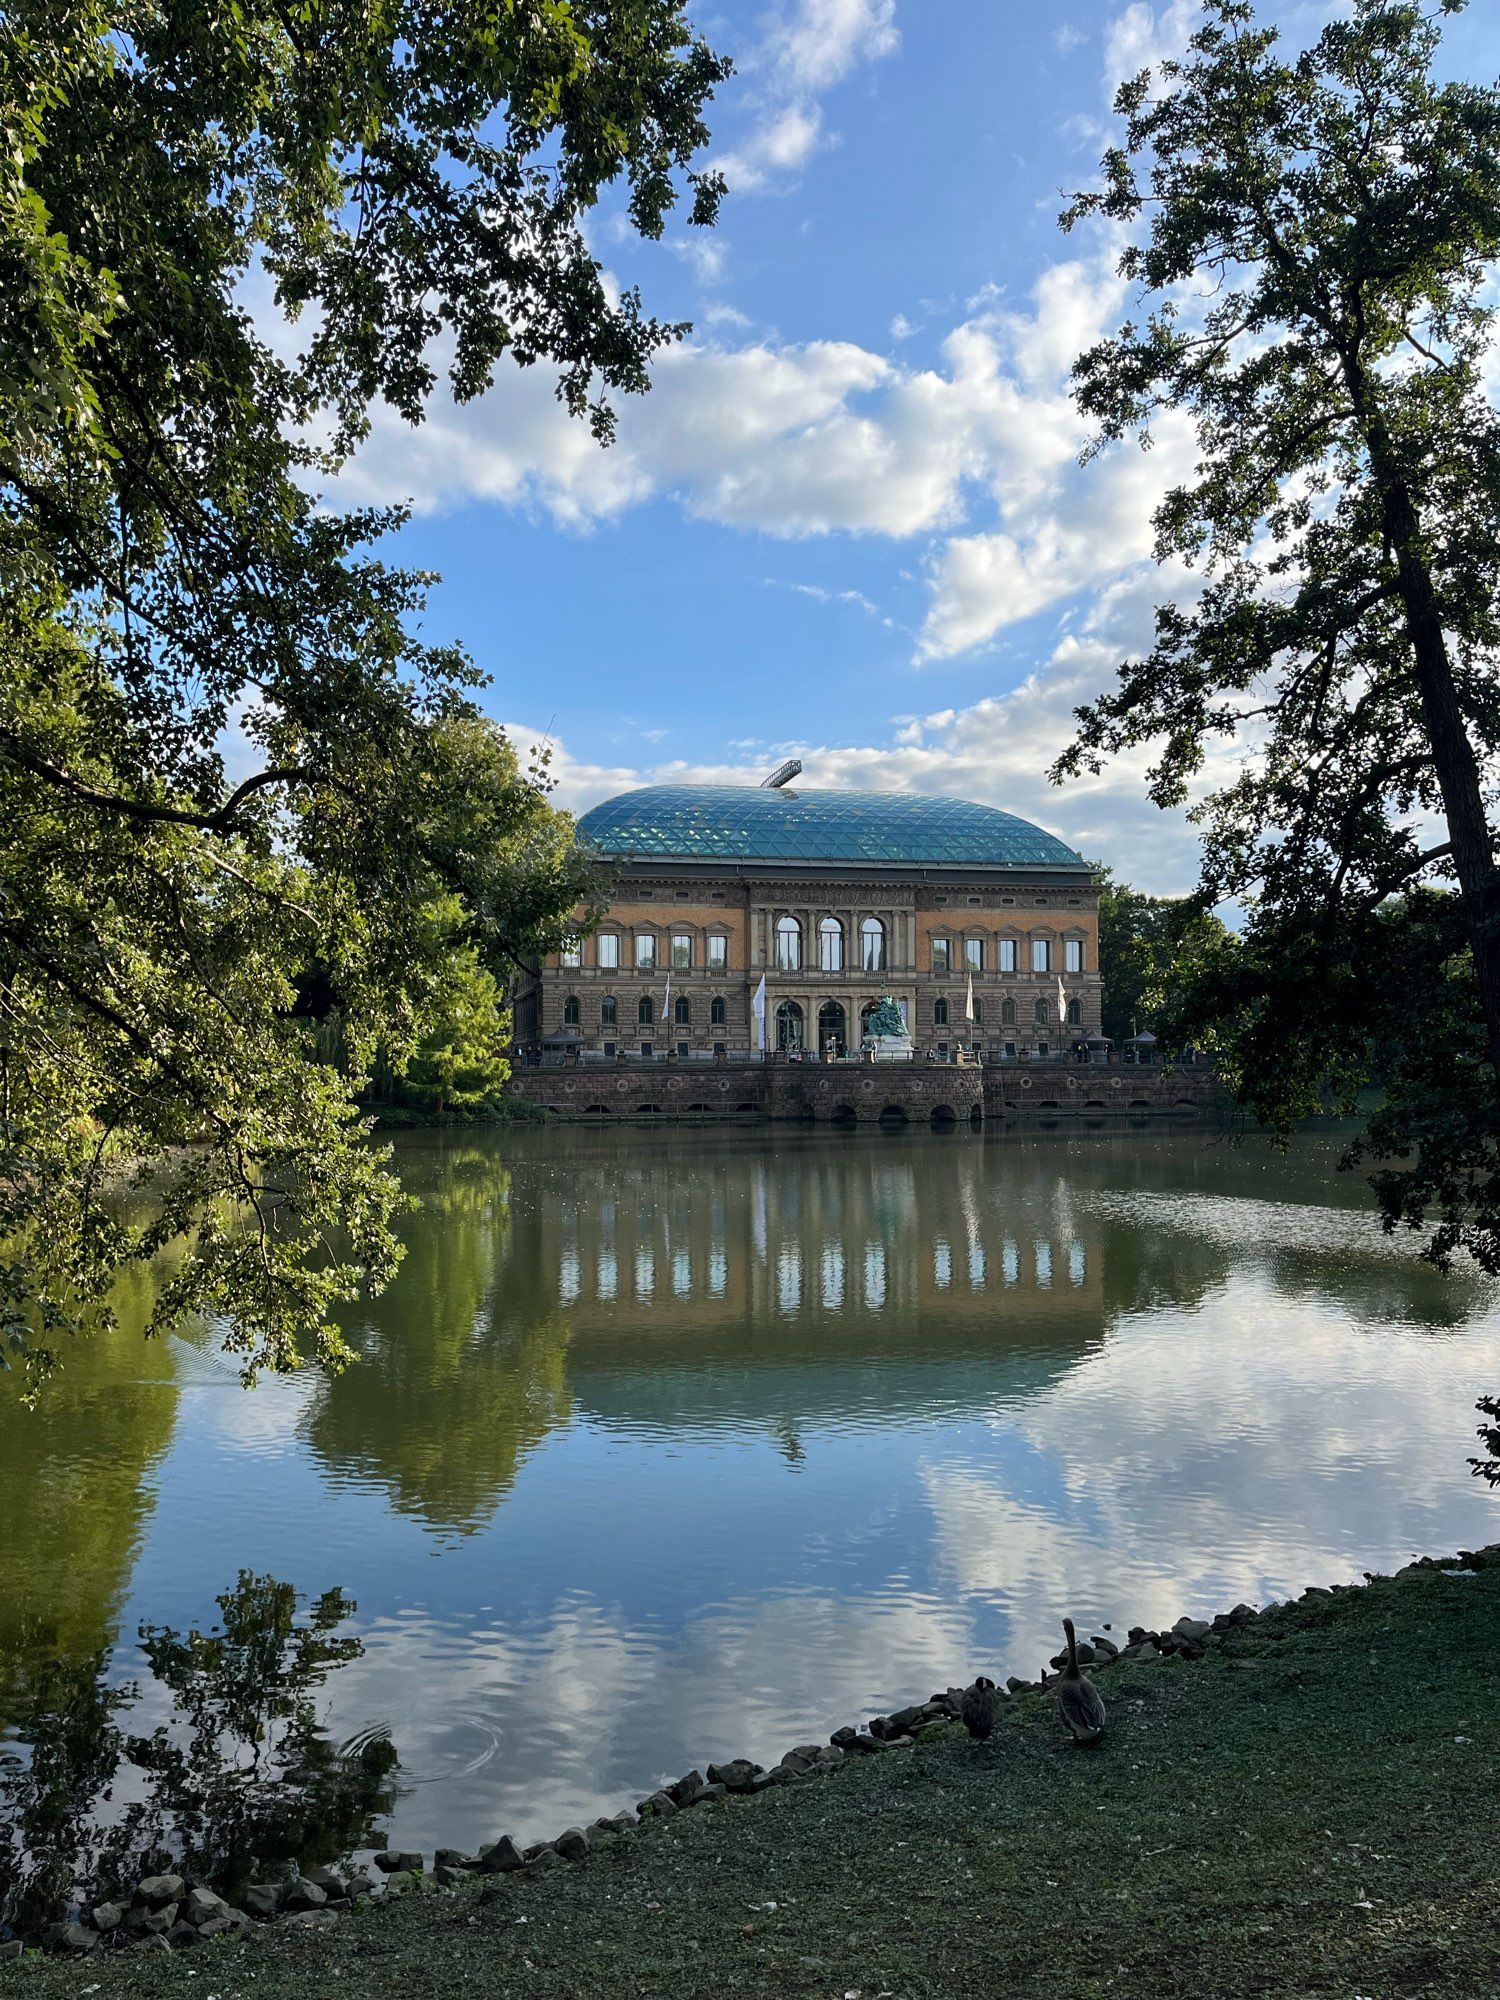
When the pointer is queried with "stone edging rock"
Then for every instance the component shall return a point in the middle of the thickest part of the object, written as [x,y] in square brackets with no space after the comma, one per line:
[168,1913]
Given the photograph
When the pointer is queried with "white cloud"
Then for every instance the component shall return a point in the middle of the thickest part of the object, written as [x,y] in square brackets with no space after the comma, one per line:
[829,437]
[1067,37]
[807,48]
[902,328]
[1142,36]
[819,42]
[705,256]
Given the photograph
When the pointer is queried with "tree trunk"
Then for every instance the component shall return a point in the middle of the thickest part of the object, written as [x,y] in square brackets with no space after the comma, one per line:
[1453,756]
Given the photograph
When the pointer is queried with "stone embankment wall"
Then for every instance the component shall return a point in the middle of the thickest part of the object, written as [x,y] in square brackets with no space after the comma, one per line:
[864,1094]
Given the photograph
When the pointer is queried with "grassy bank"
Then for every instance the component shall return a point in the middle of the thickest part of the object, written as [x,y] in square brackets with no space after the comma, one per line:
[1309,1811]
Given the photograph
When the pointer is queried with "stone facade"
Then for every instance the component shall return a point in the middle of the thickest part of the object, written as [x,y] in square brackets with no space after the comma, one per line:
[829,940]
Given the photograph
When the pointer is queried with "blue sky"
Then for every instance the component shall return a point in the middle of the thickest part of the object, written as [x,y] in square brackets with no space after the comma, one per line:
[847,522]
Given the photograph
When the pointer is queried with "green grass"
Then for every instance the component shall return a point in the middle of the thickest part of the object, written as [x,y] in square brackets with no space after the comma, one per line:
[1310,1812]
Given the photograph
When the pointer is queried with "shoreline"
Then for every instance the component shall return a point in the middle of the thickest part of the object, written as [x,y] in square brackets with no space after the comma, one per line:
[834,1795]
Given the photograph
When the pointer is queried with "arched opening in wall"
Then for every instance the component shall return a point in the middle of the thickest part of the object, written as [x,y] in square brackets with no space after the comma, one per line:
[1075,1013]
[789,1025]
[1040,1013]
[699,1111]
[572,1012]
[1140,1104]
[833,1026]
[596,1111]
[1007,1013]
[682,1011]
[940,1013]
[1048,1104]
[872,945]
[788,944]
[1095,1104]
[645,1011]
[747,1110]
[892,1117]
[943,1116]
[830,945]
[976,1114]
[844,1114]
[716,1012]
[650,1111]
[1186,1104]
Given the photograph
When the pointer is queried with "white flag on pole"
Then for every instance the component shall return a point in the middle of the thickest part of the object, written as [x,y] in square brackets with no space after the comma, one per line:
[758,1009]
[1062,999]
[969,1000]
[666,1002]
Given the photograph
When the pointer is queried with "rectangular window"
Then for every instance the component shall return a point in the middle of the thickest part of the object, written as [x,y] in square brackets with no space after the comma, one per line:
[682,951]
[607,951]
[645,953]
[572,951]
[1007,954]
[940,955]
[718,953]
[974,954]
[1073,961]
[1041,955]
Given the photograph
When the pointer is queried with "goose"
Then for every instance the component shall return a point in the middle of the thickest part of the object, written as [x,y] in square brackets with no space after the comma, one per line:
[979,1708]
[1079,1702]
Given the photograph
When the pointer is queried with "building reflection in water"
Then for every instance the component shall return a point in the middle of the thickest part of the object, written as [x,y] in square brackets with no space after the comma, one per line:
[676,1446]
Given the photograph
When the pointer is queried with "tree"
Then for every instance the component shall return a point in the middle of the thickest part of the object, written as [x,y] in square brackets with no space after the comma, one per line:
[1135,941]
[1318,235]
[240,1779]
[232,775]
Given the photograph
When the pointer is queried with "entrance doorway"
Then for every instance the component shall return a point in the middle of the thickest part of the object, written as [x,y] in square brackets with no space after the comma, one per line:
[789,1025]
[833,1029]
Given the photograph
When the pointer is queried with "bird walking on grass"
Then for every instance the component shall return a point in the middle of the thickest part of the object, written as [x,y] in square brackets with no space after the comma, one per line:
[979,1709]
[1079,1702]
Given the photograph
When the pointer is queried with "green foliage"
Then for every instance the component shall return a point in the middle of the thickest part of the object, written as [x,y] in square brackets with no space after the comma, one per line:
[1320,233]
[175,606]
[1144,942]
[1315,237]
[240,1778]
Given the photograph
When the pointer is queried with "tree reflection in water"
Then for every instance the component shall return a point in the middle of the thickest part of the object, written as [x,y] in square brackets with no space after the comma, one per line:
[240,1778]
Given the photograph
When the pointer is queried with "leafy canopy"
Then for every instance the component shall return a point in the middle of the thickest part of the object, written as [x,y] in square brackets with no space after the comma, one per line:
[1314,239]
[1318,233]
[238,788]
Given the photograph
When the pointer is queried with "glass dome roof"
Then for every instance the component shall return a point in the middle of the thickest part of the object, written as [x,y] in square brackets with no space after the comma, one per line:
[755,823]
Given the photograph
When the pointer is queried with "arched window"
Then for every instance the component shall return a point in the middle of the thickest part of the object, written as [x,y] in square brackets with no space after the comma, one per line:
[940,1013]
[1007,1013]
[1041,1013]
[978,1012]
[717,1013]
[789,1025]
[872,945]
[645,1012]
[608,1011]
[572,1012]
[682,1012]
[830,945]
[1075,1014]
[788,944]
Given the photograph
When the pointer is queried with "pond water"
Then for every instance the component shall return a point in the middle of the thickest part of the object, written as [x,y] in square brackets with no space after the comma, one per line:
[667,1447]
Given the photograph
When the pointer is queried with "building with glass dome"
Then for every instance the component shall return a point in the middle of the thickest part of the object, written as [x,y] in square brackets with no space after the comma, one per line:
[982,927]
